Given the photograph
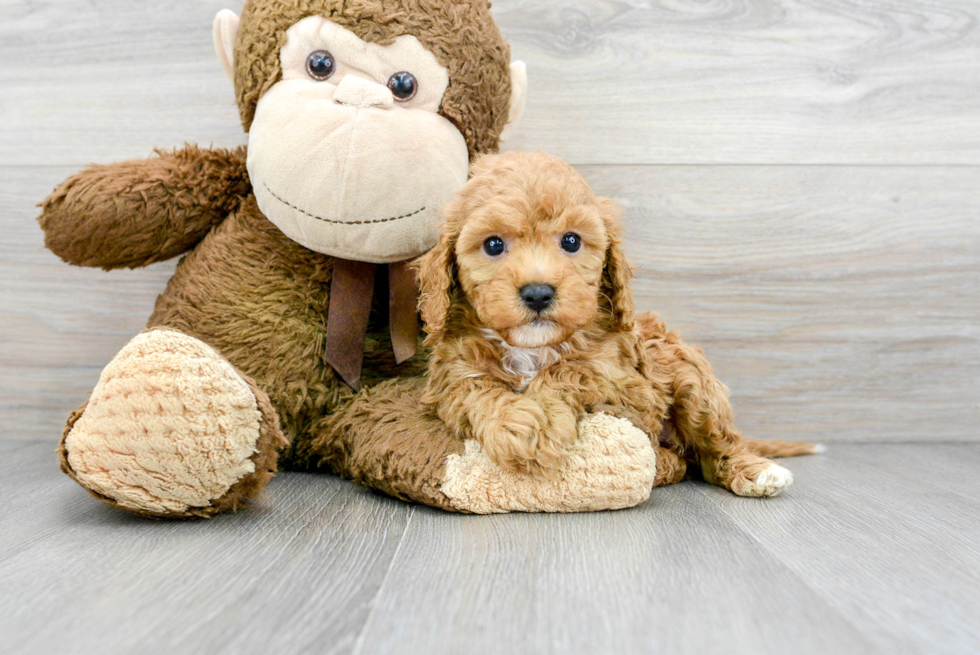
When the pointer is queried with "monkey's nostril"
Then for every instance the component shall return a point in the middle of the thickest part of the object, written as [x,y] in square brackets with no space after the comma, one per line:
[538,297]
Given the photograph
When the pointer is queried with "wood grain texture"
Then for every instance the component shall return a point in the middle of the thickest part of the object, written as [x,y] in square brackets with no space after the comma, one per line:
[671,576]
[612,81]
[750,81]
[295,574]
[875,549]
[882,533]
[838,303]
[103,81]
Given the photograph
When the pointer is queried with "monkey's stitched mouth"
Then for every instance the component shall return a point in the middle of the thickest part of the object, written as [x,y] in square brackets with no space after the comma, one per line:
[334,222]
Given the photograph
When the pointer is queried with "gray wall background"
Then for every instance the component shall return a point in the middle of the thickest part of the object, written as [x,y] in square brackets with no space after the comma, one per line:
[802,185]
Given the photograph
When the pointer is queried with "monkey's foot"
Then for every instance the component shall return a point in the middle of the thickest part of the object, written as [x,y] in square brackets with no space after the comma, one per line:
[172,430]
[612,466]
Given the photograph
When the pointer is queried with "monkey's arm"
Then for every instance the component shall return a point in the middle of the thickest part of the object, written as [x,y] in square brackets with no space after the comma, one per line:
[135,213]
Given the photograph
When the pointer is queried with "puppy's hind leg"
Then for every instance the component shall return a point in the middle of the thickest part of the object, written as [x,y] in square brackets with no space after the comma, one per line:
[702,416]
[705,425]
[746,474]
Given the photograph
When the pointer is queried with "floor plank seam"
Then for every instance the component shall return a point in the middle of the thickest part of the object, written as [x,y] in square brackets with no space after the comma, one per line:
[362,635]
[774,557]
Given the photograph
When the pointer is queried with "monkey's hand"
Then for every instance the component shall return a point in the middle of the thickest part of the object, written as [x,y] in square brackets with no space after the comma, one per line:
[135,213]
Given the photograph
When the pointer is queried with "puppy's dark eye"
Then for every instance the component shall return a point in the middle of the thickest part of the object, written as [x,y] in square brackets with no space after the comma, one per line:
[571,242]
[321,65]
[494,246]
[403,86]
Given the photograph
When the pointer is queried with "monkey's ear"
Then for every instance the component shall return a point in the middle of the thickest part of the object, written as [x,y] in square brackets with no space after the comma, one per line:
[225,34]
[518,98]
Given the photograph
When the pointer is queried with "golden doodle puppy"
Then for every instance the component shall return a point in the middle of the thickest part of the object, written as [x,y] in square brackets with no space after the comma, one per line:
[530,317]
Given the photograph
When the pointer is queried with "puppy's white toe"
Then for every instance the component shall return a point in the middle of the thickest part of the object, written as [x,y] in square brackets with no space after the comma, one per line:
[769,483]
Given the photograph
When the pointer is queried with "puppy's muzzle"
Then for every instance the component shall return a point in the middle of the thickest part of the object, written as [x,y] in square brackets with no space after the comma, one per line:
[538,297]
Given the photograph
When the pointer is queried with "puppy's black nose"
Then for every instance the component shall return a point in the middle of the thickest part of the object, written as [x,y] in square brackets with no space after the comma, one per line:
[537,296]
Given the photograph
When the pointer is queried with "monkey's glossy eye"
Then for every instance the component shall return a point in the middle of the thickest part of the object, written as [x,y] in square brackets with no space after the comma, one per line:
[321,65]
[403,86]
[571,242]
[494,246]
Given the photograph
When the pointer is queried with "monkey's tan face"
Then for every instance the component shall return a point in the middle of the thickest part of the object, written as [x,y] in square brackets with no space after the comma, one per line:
[347,153]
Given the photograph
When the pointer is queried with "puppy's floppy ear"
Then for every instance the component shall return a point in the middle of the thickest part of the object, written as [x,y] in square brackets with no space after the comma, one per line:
[436,273]
[617,273]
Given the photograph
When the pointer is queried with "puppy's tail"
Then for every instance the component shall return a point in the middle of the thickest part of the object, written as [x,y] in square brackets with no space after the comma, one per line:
[780,448]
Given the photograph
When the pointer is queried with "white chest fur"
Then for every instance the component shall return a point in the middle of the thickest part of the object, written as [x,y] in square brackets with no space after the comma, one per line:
[526,363]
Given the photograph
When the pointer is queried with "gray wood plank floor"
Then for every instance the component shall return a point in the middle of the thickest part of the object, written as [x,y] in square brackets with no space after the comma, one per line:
[875,549]
[800,184]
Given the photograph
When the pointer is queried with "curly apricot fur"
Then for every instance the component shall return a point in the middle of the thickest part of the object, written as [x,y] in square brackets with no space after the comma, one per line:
[518,380]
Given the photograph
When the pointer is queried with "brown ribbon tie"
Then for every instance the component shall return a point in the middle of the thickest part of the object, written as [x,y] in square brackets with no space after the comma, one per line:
[351,294]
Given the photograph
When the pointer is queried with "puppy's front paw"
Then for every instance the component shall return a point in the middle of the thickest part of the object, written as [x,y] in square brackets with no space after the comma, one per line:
[522,439]
[556,440]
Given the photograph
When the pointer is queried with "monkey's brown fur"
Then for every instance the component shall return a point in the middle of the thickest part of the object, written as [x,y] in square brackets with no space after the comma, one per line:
[595,355]
[260,299]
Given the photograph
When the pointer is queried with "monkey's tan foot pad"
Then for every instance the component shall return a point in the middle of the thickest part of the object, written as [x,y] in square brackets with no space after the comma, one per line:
[613,466]
[172,430]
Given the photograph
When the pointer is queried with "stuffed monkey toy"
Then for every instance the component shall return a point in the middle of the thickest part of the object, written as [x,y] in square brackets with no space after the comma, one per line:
[288,335]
